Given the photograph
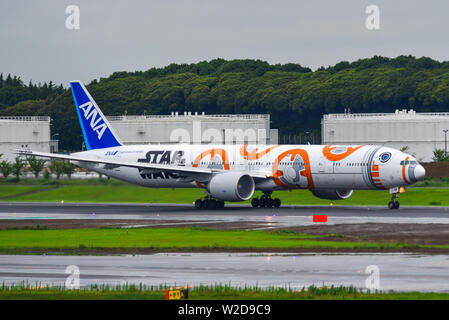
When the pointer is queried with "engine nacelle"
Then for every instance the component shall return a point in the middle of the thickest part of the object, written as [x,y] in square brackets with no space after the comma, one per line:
[332,194]
[231,186]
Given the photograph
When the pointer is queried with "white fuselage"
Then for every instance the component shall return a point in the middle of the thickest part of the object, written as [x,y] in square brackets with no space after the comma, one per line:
[285,166]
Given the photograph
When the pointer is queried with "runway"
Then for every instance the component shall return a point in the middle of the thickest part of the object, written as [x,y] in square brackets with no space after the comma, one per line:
[401,272]
[285,216]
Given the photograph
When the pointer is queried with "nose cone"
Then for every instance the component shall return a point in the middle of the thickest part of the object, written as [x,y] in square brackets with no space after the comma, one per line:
[420,172]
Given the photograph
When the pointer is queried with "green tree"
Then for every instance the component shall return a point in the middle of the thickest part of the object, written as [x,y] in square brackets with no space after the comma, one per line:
[46,174]
[440,155]
[68,169]
[57,167]
[5,168]
[36,165]
[17,167]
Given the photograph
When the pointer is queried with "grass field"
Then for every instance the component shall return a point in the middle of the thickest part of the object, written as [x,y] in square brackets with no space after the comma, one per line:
[83,241]
[216,292]
[9,191]
[431,191]
[128,193]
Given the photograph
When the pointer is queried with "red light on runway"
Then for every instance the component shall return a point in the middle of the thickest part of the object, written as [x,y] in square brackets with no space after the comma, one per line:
[322,218]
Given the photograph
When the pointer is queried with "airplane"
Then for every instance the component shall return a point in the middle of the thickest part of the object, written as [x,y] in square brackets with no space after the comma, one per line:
[235,172]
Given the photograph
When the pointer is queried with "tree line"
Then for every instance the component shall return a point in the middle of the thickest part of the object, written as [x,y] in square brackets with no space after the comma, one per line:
[37,166]
[295,96]
[13,90]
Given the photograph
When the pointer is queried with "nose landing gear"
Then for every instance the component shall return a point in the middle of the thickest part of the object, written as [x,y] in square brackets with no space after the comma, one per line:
[266,201]
[393,204]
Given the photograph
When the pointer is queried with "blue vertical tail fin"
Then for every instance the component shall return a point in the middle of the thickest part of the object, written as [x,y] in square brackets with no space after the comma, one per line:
[97,132]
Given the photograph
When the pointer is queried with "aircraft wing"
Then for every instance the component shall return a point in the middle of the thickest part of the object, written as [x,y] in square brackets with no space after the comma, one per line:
[144,165]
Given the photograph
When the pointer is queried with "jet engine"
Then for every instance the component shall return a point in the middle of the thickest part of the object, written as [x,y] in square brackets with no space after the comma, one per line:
[332,194]
[231,186]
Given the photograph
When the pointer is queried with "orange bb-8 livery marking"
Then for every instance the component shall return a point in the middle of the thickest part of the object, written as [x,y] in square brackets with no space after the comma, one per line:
[254,155]
[307,172]
[212,152]
[375,176]
[327,152]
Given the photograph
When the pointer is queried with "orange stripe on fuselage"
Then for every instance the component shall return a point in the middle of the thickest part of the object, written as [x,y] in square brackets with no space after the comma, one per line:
[403,172]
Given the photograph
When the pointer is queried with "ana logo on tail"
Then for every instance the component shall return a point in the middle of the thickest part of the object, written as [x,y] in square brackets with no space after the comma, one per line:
[91,113]
[96,130]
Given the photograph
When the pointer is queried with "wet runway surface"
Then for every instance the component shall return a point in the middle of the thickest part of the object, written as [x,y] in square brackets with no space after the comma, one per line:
[281,217]
[401,272]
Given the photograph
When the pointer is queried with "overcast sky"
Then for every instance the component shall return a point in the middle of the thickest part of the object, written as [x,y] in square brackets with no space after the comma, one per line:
[137,35]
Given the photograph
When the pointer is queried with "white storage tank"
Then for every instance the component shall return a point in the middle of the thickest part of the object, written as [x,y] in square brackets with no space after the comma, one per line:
[185,127]
[420,133]
[24,132]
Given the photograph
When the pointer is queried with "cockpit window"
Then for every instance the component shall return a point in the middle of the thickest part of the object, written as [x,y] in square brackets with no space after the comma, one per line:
[407,162]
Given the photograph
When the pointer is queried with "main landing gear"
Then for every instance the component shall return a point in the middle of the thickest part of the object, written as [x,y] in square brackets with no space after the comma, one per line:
[266,201]
[209,203]
[393,204]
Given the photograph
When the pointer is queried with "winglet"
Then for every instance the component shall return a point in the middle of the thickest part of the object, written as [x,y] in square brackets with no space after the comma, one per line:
[96,130]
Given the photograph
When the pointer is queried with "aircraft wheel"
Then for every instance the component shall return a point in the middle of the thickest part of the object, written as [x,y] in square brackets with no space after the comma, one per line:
[205,204]
[396,205]
[220,204]
[198,204]
[212,204]
[269,203]
[277,202]
[391,205]
[255,202]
